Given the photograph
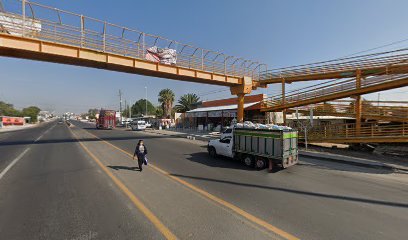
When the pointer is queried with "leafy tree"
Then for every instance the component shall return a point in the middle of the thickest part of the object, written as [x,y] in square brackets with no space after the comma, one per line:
[7,109]
[139,108]
[166,99]
[125,113]
[187,102]
[32,112]
[92,113]
[84,115]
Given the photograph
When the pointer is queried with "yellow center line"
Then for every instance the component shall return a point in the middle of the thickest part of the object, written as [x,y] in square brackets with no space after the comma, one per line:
[149,214]
[208,195]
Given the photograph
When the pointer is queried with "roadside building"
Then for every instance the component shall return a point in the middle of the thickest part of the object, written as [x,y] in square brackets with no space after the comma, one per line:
[44,116]
[11,121]
[216,114]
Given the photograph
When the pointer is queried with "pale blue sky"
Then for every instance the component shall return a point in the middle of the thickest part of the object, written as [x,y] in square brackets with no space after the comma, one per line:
[278,33]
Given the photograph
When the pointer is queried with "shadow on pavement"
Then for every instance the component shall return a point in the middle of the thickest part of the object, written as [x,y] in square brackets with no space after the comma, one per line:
[70,140]
[219,161]
[313,194]
[344,167]
[124,168]
[224,162]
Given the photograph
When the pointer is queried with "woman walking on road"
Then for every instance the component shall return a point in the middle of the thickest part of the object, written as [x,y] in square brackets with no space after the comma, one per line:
[140,152]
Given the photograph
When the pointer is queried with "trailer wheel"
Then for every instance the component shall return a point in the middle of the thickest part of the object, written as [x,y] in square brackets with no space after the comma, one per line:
[260,163]
[249,161]
[212,152]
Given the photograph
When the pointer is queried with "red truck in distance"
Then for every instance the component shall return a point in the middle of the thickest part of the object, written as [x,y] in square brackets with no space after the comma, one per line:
[106,119]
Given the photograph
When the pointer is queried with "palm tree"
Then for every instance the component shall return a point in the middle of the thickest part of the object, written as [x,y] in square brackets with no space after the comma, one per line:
[159,112]
[166,99]
[187,102]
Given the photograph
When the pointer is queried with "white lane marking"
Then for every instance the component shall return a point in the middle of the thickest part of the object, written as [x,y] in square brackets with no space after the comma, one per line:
[22,154]
[36,140]
[12,163]
[49,129]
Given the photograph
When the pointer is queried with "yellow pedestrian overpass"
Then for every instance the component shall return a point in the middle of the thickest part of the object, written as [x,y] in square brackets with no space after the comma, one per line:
[37,32]
[34,31]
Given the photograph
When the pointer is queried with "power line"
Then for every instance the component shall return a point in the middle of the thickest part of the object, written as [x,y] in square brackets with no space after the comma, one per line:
[375,48]
[120,104]
[350,56]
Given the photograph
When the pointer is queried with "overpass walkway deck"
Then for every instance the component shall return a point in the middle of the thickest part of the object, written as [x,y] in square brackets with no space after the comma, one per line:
[392,111]
[381,63]
[334,89]
[348,133]
[34,31]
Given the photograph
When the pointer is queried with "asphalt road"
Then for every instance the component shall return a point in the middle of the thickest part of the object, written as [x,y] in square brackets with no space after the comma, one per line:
[56,192]
[62,188]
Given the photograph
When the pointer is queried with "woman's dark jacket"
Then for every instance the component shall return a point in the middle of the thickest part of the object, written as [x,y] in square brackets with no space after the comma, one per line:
[140,154]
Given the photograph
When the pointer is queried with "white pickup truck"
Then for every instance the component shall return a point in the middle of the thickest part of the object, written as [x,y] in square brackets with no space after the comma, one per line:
[138,125]
[257,147]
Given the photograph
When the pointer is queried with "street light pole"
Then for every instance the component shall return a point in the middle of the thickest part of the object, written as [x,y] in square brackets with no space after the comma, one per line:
[146,101]
[130,110]
[120,105]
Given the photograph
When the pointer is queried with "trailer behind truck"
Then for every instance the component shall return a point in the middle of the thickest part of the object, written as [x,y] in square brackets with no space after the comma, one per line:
[257,147]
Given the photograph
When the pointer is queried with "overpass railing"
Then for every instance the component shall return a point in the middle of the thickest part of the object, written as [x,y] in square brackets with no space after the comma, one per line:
[345,65]
[328,88]
[370,110]
[34,20]
[349,131]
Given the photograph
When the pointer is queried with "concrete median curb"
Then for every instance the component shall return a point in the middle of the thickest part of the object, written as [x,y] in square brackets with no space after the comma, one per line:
[180,135]
[14,129]
[351,161]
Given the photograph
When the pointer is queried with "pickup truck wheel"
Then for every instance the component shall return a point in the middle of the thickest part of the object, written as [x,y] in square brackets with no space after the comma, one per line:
[249,161]
[212,152]
[260,164]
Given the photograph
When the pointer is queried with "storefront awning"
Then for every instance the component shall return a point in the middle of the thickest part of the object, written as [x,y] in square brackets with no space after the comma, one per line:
[220,108]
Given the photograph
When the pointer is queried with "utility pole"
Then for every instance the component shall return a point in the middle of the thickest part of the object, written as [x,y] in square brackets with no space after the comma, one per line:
[146,101]
[125,105]
[120,105]
[130,109]
[358,103]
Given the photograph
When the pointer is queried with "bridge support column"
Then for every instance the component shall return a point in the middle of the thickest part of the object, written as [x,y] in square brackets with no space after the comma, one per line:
[283,101]
[240,110]
[240,91]
[358,104]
